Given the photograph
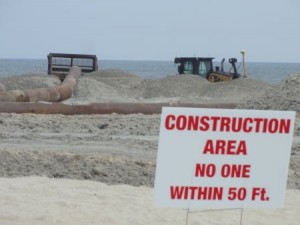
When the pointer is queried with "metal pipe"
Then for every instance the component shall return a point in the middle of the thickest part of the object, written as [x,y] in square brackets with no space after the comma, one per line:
[54,94]
[100,108]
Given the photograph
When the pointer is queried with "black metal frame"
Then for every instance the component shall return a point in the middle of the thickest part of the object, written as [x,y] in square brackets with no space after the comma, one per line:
[61,69]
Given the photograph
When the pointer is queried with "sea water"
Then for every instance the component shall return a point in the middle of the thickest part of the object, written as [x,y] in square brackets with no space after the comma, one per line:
[272,73]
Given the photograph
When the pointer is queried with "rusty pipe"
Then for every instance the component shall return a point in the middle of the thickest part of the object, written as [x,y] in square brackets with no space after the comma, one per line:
[53,94]
[100,108]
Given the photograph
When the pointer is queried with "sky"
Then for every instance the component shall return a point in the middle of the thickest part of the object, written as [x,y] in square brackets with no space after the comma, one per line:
[268,30]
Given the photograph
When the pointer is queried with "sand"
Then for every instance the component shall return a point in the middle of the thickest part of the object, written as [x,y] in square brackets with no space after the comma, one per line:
[40,200]
[84,163]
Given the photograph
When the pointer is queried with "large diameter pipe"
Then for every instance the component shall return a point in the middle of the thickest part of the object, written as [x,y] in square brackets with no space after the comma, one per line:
[54,94]
[100,108]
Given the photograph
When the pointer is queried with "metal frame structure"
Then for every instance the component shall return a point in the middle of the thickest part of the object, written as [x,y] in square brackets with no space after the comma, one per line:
[59,64]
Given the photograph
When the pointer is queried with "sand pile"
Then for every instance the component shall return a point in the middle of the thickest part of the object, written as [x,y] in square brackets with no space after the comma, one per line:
[118,86]
[2,87]
[106,86]
[285,96]
[29,81]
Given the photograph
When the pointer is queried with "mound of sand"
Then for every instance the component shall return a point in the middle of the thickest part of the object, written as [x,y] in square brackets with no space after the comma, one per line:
[29,81]
[111,73]
[117,86]
[105,86]
[285,96]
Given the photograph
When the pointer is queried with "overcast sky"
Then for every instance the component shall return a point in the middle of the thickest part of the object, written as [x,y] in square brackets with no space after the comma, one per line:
[268,30]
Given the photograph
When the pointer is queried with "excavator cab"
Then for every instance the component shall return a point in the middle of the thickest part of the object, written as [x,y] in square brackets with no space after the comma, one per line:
[203,66]
[194,65]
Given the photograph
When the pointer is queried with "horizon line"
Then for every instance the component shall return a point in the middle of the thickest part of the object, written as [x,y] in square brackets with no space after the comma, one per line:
[143,60]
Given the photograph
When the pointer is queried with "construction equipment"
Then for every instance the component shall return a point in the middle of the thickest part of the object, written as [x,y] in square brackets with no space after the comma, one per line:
[203,66]
[59,64]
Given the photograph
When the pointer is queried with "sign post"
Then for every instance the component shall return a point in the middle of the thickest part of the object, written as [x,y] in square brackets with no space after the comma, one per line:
[223,159]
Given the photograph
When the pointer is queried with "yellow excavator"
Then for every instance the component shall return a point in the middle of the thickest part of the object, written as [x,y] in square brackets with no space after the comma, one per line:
[203,66]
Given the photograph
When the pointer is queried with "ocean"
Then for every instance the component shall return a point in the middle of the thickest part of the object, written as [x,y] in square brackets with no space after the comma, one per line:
[272,73]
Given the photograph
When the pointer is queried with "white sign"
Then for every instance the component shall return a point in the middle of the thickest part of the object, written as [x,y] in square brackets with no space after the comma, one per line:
[217,158]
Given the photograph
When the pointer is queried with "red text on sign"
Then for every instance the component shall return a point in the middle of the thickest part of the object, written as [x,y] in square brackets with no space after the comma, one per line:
[225,147]
[235,193]
[238,171]
[194,192]
[227,124]
[205,170]
[260,194]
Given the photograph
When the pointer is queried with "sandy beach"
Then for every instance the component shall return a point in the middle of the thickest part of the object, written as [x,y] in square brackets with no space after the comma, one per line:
[100,169]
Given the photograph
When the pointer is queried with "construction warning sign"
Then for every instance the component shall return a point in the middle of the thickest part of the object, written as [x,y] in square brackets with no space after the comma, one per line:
[219,158]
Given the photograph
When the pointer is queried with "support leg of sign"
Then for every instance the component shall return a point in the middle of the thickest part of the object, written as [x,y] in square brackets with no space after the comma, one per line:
[241,218]
[213,210]
[187,216]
